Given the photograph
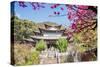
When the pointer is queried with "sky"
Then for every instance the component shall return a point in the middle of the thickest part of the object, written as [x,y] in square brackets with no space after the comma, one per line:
[41,15]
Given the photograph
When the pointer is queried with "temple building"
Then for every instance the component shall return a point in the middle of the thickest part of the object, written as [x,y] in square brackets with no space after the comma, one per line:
[50,34]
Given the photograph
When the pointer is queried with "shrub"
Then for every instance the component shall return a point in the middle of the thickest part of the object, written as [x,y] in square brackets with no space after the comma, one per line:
[21,52]
[33,58]
[41,45]
[23,55]
[62,44]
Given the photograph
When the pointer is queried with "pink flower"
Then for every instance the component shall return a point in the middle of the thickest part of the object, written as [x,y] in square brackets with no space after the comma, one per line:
[52,7]
[58,13]
[74,26]
[62,8]
[82,7]
[55,12]
[22,4]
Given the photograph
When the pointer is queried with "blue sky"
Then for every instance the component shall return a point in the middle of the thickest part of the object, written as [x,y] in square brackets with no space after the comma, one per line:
[41,15]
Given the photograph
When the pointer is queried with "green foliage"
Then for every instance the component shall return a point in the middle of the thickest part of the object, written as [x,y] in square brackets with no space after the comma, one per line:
[21,52]
[62,44]
[86,40]
[21,28]
[33,58]
[41,45]
[23,55]
[24,28]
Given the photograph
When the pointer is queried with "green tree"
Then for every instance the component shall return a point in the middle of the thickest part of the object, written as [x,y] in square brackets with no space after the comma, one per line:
[21,28]
[33,58]
[41,45]
[62,44]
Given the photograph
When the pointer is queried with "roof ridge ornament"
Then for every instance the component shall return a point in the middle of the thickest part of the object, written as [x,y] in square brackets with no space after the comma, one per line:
[53,26]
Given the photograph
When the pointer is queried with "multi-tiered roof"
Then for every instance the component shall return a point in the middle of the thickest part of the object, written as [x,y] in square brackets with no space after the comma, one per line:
[49,33]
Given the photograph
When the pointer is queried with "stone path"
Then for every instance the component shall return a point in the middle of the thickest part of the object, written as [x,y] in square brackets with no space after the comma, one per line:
[51,57]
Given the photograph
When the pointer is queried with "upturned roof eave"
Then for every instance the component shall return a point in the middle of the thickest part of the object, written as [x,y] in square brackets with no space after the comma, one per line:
[47,38]
[58,26]
[41,29]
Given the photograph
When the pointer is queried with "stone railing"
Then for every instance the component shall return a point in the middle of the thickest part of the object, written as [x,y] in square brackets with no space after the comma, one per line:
[51,54]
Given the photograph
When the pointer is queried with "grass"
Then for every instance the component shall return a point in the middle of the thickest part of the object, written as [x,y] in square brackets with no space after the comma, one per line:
[25,55]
